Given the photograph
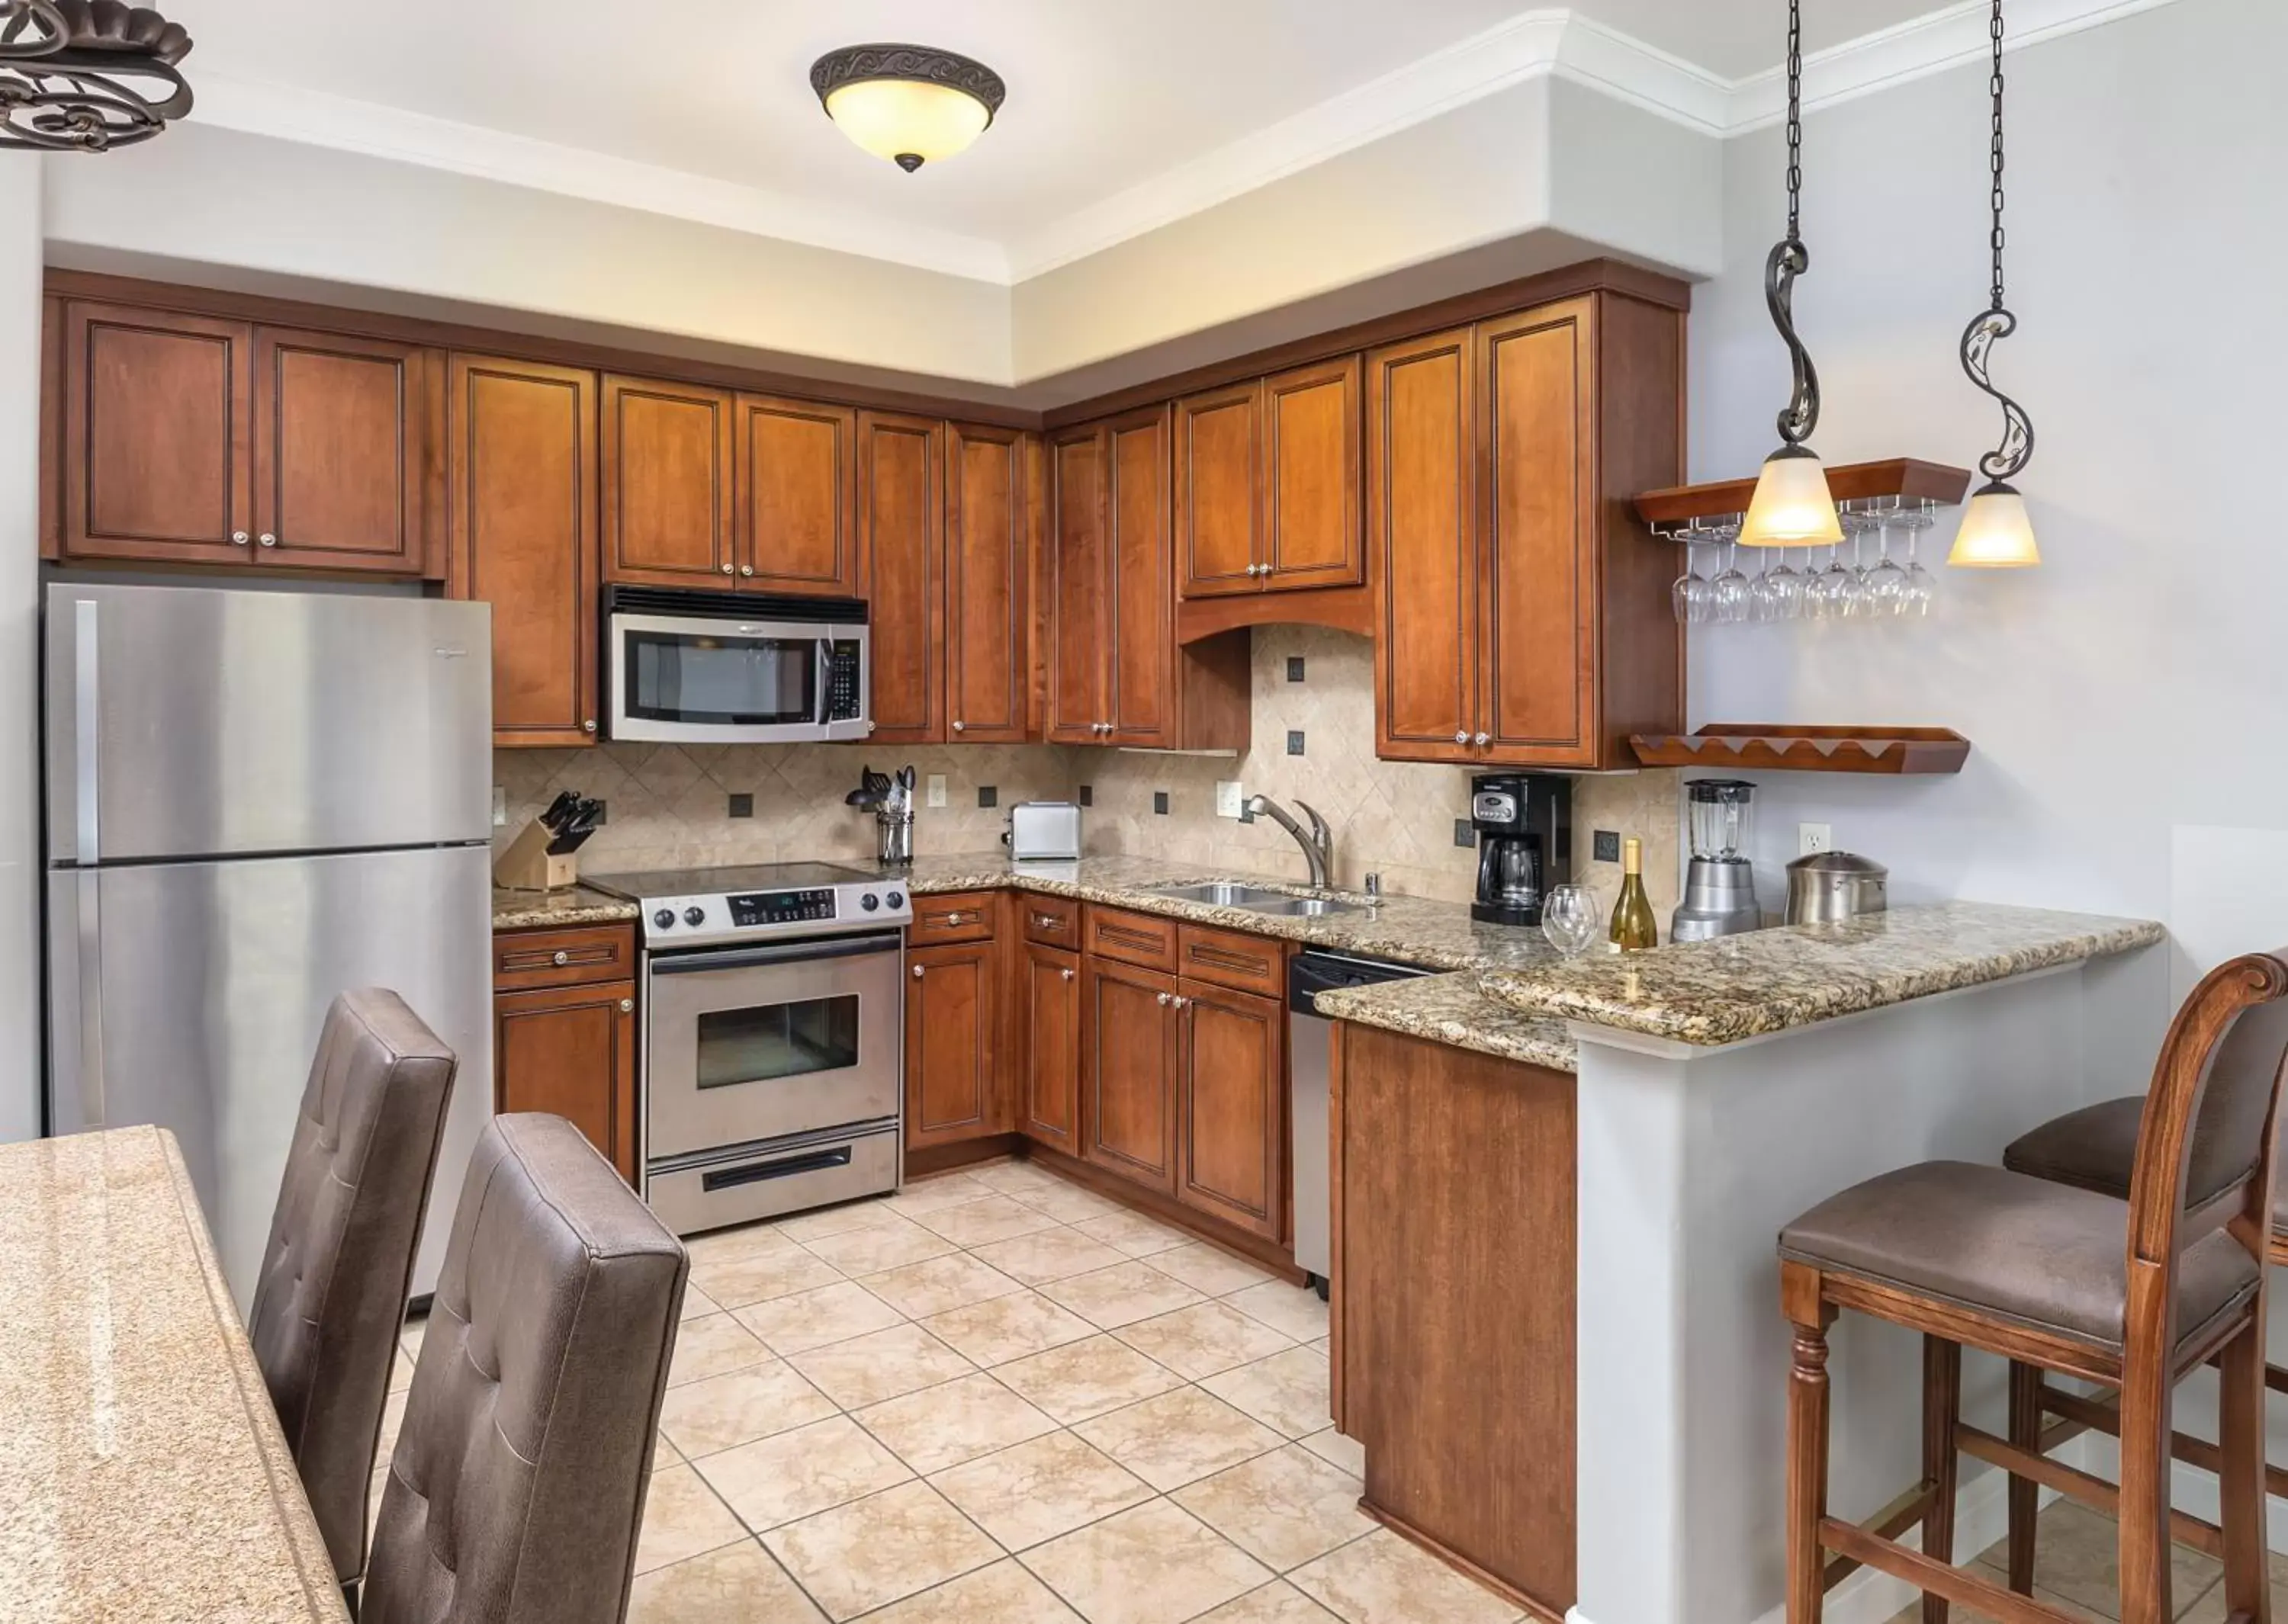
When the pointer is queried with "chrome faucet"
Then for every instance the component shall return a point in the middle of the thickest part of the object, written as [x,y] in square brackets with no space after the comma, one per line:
[1318,843]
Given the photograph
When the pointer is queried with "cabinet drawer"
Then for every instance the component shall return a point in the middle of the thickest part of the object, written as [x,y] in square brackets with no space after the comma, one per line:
[957,916]
[563,958]
[1053,922]
[1134,938]
[1234,959]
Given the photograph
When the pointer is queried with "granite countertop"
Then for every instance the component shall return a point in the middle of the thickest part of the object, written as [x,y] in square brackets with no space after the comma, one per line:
[142,1471]
[1450,1010]
[1773,980]
[523,910]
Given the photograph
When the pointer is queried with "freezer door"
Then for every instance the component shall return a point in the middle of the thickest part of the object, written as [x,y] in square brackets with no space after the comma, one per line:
[191,994]
[183,721]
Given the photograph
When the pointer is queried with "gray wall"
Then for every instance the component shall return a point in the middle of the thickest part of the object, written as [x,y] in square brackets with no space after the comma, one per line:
[20,645]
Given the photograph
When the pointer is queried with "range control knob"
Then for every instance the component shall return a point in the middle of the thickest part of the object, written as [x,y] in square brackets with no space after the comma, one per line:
[664,919]
[869,902]
[897,899]
[694,915]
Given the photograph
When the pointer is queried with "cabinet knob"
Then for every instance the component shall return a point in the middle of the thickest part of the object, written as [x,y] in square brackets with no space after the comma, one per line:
[1164,998]
[746,569]
[1483,740]
[1183,1002]
[953,919]
[1067,974]
[1462,738]
[627,1006]
[727,569]
[238,538]
[919,970]
[957,726]
[588,726]
[563,957]
[267,540]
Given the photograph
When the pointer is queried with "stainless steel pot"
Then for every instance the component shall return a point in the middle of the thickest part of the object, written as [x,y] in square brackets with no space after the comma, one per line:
[1831,885]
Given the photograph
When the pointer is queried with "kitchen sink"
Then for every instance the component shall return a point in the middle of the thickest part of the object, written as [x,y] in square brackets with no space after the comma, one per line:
[1303,907]
[1258,900]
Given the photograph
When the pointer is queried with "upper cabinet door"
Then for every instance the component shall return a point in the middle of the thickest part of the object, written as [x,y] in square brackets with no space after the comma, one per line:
[1142,643]
[1311,477]
[1077,577]
[523,538]
[345,433]
[1421,514]
[1536,512]
[158,425]
[798,478]
[1219,468]
[988,517]
[668,502]
[901,472]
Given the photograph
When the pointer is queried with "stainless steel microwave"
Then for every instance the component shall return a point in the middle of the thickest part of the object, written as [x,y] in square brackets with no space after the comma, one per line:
[722,667]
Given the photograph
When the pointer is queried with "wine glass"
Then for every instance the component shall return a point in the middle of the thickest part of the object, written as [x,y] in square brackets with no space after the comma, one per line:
[1729,590]
[1919,588]
[1691,595]
[1853,592]
[1570,921]
[1887,583]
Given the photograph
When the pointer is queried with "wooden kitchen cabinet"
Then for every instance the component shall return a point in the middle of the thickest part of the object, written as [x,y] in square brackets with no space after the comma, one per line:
[668,503]
[1128,1070]
[523,538]
[991,476]
[797,474]
[953,1018]
[1050,1110]
[1218,447]
[1231,1106]
[1078,621]
[1267,483]
[570,1048]
[900,479]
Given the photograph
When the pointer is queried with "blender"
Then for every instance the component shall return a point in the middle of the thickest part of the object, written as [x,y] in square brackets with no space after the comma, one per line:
[1719,887]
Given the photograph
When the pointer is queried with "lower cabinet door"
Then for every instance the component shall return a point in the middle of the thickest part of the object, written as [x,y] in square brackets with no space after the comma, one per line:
[952,1006]
[1052,1099]
[1231,1099]
[1128,1065]
[571,1051]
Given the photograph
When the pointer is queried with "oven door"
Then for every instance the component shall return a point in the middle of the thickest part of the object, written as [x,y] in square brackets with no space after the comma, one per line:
[724,681]
[750,1043]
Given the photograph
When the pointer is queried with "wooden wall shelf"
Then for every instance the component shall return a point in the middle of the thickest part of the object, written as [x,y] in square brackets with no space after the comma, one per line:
[1903,478]
[1744,746]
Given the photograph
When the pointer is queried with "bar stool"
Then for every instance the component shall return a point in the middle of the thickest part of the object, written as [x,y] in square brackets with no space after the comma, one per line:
[2129,1294]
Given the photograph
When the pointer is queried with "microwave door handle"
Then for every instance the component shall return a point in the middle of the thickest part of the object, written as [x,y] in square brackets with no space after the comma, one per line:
[825,646]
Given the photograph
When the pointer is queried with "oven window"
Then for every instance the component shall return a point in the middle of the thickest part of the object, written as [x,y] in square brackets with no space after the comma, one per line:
[778,1039]
[704,676]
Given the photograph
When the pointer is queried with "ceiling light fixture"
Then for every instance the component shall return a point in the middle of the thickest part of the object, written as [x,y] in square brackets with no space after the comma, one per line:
[86,76]
[1995,532]
[910,104]
[1792,506]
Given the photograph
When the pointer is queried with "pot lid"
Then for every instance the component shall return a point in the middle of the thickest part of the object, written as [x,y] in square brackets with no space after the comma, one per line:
[1839,863]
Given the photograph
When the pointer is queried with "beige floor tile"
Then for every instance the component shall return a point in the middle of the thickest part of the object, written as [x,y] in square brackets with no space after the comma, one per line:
[663,1453]
[1050,1255]
[809,1226]
[1382,1580]
[739,1584]
[740,1281]
[955,1422]
[1007,1327]
[1084,1379]
[696,1303]
[1001,1594]
[681,1518]
[1037,1491]
[1134,1233]
[1285,1308]
[409,1337]
[889,1244]
[936,1194]
[711,1346]
[1121,1296]
[2077,1558]
[1179,1438]
[1208,1270]
[392,1417]
[792,1475]
[1284,1508]
[1275,1603]
[1068,1203]
[1203,1339]
[1288,1392]
[1146,1566]
[816,1319]
[401,1372]
[1347,1453]
[703,1418]
[1012,1176]
[937,1284]
[880,1365]
[725,1246]
[880,1549]
[975,1224]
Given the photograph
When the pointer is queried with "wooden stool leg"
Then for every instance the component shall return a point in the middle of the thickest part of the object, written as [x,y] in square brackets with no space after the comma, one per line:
[2024,1492]
[2240,1480]
[2146,1453]
[1941,1409]
[1806,1479]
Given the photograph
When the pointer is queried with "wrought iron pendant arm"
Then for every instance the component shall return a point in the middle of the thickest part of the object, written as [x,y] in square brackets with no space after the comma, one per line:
[1995,323]
[1790,259]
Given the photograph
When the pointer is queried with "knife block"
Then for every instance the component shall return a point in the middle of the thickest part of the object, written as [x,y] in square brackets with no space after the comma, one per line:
[527,865]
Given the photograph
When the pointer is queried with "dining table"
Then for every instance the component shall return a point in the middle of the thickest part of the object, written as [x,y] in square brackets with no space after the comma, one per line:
[143,1473]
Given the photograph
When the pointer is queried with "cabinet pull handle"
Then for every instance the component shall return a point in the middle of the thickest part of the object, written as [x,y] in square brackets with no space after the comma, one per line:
[952,919]
[1483,740]
[267,540]
[957,726]
[627,1006]
[563,957]
[1462,738]
[1183,1002]
[588,726]
[746,569]
[1067,974]
[1164,1000]
[919,970]
[727,569]
[238,538]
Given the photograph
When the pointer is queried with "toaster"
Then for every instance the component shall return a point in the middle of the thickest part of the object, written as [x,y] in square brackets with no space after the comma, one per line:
[1044,831]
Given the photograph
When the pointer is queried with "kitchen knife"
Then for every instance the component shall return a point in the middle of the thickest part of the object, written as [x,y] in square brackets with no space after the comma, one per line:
[559,809]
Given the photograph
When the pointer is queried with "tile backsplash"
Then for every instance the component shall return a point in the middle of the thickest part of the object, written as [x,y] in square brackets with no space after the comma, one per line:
[670,804]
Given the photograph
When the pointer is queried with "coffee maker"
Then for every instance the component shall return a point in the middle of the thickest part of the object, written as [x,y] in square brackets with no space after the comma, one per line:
[1524,822]
[1719,886]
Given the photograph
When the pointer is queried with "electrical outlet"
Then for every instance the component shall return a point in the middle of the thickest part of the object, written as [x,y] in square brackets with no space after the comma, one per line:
[1229,800]
[1812,838]
[937,789]
[500,807]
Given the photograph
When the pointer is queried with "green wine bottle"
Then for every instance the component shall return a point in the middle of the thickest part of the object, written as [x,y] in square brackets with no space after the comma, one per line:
[1634,930]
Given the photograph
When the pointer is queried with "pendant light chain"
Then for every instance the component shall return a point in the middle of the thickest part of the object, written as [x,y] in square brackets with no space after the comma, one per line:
[1994,89]
[1795,123]
[1790,259]
[1996,322]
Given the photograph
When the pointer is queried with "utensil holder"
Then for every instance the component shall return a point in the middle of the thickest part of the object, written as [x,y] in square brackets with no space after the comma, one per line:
[896,835]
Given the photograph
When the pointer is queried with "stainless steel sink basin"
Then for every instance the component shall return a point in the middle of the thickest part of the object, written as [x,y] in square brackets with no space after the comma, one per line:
[1303,907]
[1258,900]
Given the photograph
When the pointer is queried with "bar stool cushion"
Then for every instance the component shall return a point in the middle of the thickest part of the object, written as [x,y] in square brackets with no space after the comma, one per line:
[2096,1148]
[2027,1249]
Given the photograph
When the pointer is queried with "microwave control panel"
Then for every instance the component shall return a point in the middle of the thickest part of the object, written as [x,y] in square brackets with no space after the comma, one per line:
[845,680]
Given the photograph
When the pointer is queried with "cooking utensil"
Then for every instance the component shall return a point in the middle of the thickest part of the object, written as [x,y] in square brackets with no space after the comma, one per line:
[1828,886]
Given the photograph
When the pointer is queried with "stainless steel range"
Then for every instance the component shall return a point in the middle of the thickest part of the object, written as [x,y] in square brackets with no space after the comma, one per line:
[773,1030]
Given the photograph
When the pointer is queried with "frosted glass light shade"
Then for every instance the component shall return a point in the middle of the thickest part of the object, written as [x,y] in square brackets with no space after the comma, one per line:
[1791,507]
[1995,532]
[909,122]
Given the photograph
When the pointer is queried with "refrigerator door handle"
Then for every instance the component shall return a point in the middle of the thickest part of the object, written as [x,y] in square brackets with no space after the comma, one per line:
[87,726]
[76,981]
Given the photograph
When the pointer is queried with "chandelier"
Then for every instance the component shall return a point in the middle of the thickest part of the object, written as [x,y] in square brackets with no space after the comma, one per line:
[86,76]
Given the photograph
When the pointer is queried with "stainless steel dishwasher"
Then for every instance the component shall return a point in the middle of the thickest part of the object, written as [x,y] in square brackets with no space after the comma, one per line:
[1308,973]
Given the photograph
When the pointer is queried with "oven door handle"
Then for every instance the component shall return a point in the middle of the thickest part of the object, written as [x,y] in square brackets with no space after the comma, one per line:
[847,947]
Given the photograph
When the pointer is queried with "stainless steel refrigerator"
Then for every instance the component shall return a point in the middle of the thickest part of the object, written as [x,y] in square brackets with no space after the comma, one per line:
[255,800]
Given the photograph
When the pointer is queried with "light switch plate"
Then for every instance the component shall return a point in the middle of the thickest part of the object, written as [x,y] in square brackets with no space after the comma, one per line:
[1229,799]
[937,789]
[1812,838]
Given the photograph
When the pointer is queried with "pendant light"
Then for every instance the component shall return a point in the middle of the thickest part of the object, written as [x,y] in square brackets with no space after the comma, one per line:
[1995,532]
[87,76]
[1792,506]
[910,104]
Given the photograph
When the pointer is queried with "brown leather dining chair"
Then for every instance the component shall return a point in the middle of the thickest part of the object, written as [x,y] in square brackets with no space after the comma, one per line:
[2128,1295]
[516,1491]
[331,1294]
